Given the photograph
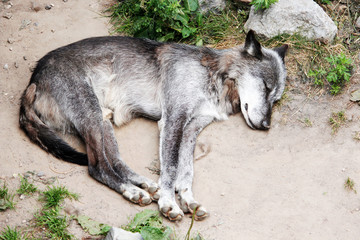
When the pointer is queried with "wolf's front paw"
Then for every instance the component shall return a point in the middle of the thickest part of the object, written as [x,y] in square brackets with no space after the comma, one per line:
[170,209]
[136,195]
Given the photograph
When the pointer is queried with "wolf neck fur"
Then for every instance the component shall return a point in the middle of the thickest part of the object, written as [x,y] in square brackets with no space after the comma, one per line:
[222,86]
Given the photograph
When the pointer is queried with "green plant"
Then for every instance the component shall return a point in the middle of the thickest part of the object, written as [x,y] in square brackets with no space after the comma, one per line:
[26,187]
[350,185]
[262,4]
[162,20]
[55,223]
[6,199]
[10,234]
[337,120]
[340,72]
[55,195]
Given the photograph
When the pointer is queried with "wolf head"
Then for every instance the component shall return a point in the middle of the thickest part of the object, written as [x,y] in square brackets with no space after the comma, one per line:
[262,81]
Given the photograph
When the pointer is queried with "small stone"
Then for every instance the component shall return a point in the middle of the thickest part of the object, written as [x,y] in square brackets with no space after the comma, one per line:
[48,7]
[10,49]
[22,197]
[16,65]
[10,40]
[23,221]
[52,30]
[52,5]
[35,6]
[36,24]
[6,66]
[222,194]
[25,58]
[6,220]
[65,0]
[40,174]
[7,6]
[7,15]
[357,24]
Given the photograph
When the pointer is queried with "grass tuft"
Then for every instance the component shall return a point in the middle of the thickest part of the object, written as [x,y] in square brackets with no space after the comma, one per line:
[6,199]
[55,195]
[350,185]
[26,187]
[337,120]
[10,234]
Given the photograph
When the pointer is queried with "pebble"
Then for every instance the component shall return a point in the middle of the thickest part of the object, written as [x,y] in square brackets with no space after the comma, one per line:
[222,194]
[49,6]
[25,58]
[10,40]
[6,220]
[35,6]
[6,66]
[10,49]
[7,6]
[17,66]
[40,174]
[65,0]
[7,15]
[22,197]
[23,221]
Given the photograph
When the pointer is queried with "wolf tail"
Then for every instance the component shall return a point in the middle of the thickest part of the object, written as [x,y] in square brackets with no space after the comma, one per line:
[42,135]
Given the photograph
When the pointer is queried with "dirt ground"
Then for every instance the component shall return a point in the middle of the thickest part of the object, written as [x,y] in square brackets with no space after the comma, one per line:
[287,183]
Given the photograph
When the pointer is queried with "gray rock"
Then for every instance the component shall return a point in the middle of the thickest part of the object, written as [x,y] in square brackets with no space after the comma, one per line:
[7,15]
[211,5]
[120,234]
[357,24]
[293,16]
[6,66]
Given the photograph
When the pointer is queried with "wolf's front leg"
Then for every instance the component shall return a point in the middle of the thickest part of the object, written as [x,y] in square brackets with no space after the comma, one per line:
[185,170]
[170,138]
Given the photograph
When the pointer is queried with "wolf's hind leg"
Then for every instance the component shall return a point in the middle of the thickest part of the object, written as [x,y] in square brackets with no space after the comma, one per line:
[185,171]
[136,181]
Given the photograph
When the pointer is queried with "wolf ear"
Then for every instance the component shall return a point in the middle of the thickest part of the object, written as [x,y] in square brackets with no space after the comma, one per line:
[282,51]
[252,46]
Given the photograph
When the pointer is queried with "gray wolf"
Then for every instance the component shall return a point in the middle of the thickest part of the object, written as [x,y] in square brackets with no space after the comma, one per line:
[183,87]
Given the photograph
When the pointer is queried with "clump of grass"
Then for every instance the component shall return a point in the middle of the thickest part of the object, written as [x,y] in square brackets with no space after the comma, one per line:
[55,223]
[350,185]
[6,199]
[337,120]
[173,20]
[56,194]
[338,73]
[50,218]
[10,234]
[306,121]
[26,187]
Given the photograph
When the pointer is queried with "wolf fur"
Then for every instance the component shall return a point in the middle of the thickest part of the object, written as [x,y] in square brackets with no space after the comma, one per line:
[183,87]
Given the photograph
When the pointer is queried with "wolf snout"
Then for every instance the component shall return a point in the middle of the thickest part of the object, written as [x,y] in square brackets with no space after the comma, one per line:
[265,125]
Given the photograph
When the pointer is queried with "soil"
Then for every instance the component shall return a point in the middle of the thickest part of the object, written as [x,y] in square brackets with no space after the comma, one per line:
[286,183]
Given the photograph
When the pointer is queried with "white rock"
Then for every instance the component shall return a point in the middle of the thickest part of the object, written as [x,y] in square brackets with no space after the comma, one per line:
[120,234]
[357,24]
[211,5]
[292,16]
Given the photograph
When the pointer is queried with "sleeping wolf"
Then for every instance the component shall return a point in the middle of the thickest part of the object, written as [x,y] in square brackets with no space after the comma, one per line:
[184,87]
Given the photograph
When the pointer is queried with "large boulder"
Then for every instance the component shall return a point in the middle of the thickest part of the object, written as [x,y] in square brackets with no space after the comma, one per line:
[293,16]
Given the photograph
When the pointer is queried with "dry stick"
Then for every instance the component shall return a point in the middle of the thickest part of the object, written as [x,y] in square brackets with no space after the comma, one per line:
[55,171]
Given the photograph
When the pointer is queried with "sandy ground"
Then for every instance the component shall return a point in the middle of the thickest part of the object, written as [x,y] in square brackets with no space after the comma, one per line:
[287,183]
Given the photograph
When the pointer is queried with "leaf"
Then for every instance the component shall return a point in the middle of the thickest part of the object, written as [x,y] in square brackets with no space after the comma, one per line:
[92,227]
[355,96]
[187,31]
[152,233]
[147,217]
[191,5]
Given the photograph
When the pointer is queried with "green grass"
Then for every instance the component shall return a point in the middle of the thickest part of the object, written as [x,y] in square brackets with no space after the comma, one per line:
[54,223]
[26,188]
[10,234]
[350,185]
[6,199]
[171,20]
[337,120]
[53,196]
[262,4]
